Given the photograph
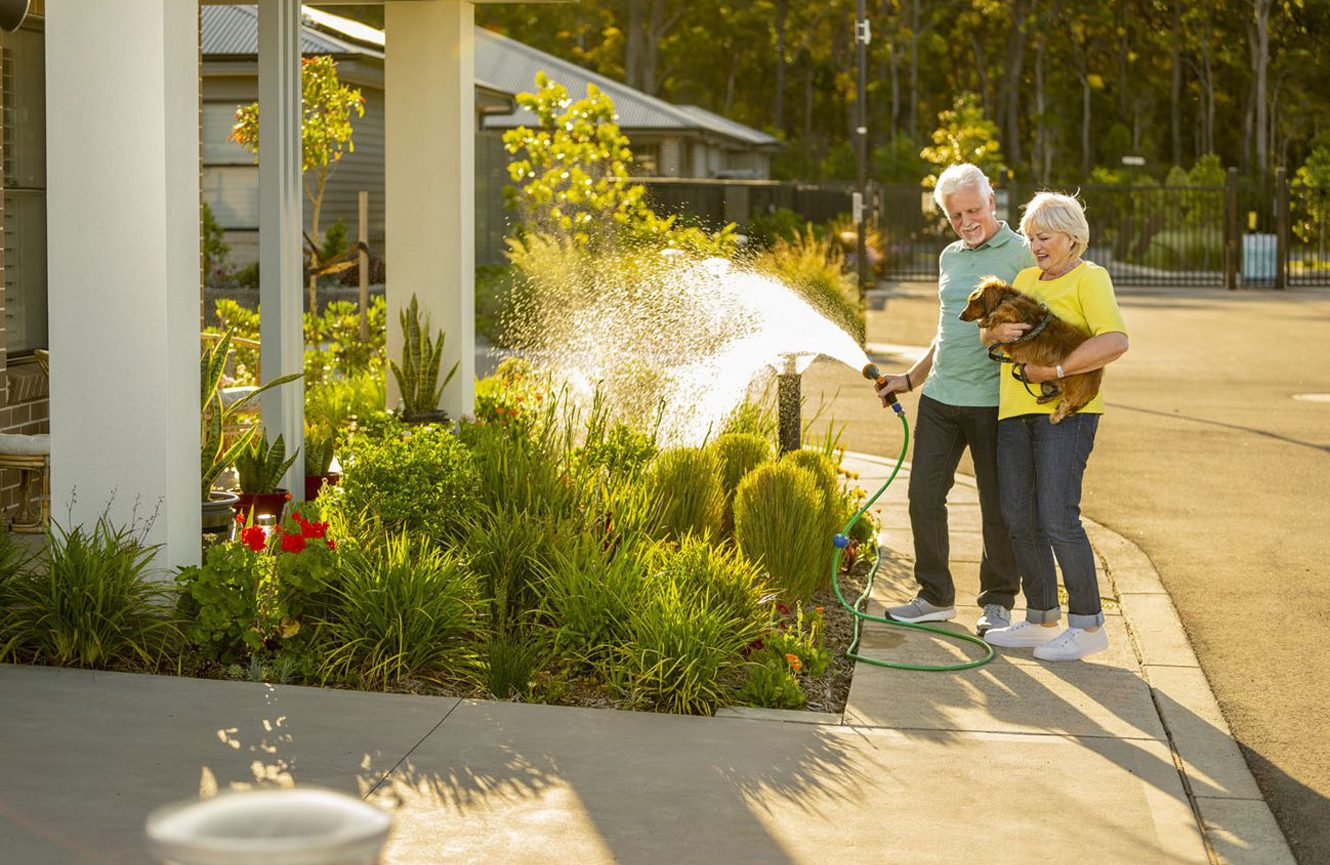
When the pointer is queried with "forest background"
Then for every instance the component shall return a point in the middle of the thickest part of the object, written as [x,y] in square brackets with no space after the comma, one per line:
[1067,89]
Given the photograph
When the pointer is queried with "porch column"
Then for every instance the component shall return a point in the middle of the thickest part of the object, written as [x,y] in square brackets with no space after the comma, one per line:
[122,151]
[281,329]
[429,175]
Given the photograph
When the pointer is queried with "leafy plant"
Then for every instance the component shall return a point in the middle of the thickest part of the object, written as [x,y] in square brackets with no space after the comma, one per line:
[828,481]
[589,591]
[504,549]
[739,454]
[320,440]
[772,683]
[814,267]
[404,611]
[690,485]
[261,466]
[779,522]
[215,249]
[333,402]
[422,357]
[216,415]
[511,662]
[91,606]
[421,479]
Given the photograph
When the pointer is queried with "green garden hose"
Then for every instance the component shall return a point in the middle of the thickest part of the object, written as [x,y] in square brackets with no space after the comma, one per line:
[842,540]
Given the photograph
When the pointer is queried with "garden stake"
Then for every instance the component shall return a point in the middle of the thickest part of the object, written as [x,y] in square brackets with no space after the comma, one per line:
[842,540]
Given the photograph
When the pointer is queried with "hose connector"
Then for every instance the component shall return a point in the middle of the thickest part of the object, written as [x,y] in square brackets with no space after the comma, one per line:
[840,541]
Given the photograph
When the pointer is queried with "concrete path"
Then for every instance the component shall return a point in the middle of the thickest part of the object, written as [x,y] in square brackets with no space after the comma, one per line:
[1124,758]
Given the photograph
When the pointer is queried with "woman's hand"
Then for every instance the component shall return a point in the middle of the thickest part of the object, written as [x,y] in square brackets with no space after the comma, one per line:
[892,384]
[1007,331]
[1035,374]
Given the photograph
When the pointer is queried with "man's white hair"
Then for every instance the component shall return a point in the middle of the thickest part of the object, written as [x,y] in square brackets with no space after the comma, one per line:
[963,175]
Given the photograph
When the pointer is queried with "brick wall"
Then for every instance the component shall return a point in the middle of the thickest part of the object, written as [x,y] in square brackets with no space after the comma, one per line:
[27,410]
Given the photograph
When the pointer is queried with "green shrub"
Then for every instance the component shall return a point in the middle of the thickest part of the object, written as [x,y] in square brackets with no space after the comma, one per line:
[772,684]
[764,229]
[91,606]
[504,548]
[333,402]
[739,454]
[511,663]
[525,473]
[752,417]
[689,481]
[779,521]
[824,471]
[683,650]
[721,577]
[589,591]
[420,479]
[404,610]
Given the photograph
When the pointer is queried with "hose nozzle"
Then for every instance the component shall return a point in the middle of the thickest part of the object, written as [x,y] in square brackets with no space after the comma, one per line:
[871,372]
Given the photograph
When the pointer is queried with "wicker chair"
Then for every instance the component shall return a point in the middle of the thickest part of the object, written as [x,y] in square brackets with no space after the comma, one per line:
[31,455]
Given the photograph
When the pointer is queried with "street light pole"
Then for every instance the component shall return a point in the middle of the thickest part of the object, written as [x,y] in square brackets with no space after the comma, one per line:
[862,35]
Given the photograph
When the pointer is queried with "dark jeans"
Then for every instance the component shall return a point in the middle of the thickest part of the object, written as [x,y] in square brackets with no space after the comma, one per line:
[941,434]
[1041,466]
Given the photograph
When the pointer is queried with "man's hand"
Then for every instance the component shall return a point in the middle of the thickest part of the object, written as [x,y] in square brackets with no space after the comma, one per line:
[892,384]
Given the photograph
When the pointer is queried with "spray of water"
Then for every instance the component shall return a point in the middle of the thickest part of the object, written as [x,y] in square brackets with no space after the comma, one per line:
[667,337]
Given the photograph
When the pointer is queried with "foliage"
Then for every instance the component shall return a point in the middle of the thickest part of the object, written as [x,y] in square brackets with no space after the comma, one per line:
[752,417]
[261,592]
[403,610]
[772,683]
[422,359]
[494,293]
[1310,201]
[334,402]
[964,134]
[419,479]
[504,550]
[588,590]
[511,663]
[215,248]
[217,450]
[92,605]
[327,106]
[779,521]
[814,267]
[739,454]
[573,177]
[823,469]
[689,480]
[332,339]
[1208,171]
[320,440]
[261,466]
[764,229]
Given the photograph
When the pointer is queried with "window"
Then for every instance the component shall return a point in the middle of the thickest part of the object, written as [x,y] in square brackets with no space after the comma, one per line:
[23,125]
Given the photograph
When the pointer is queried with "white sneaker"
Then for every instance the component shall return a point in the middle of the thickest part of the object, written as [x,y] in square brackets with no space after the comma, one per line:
[1073,644]
[1021,635]
[994,616]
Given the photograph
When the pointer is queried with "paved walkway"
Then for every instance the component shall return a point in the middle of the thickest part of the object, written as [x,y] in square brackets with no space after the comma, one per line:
[1122,759]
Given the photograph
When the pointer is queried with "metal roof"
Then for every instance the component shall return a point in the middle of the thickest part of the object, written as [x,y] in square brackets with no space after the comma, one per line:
[502,64]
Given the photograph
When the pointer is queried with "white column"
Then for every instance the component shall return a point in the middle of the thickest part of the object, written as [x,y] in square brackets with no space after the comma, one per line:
[429,175]
[122,149]
[281,330]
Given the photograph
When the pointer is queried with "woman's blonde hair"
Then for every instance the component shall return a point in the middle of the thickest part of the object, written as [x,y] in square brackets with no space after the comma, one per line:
[1052,211]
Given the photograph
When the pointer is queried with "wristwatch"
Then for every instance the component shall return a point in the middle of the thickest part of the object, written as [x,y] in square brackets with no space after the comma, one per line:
[1058,370]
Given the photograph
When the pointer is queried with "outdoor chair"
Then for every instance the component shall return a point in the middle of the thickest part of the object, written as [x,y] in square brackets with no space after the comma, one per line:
[31,455]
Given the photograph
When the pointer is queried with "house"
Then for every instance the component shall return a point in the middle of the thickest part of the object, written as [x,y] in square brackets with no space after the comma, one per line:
[668,140]
[101,172]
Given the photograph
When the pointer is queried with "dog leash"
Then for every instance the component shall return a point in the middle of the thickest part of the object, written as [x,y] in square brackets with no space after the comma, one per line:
[1048,389]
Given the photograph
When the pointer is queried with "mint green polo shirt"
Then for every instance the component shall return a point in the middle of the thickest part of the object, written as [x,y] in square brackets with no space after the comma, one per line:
[962,374]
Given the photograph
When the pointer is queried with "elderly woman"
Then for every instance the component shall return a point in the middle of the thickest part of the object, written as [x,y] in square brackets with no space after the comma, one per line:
[1040,465]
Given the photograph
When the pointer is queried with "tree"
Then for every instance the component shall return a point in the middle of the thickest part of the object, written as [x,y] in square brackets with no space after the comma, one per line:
[572,176]
[965,134]
[325,135]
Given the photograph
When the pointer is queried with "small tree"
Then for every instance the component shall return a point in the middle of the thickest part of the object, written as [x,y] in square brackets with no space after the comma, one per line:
[964,134]
[572,176]
[325,135]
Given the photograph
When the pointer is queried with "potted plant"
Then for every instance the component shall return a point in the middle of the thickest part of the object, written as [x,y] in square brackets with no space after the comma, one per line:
[319,442]
[260,467]
[219,444]
[418,375]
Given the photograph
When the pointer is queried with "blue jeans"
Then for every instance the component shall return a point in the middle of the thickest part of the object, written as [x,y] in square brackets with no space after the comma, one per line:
[1040,467]
[942,433]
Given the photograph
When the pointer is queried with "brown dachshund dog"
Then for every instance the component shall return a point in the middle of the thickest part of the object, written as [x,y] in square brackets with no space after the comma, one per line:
[1047,343]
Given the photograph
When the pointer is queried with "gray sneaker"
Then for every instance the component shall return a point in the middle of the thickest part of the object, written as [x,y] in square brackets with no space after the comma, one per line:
[994,616]
[920,610]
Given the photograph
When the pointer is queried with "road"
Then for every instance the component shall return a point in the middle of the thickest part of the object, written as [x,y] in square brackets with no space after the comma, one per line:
[1207,461]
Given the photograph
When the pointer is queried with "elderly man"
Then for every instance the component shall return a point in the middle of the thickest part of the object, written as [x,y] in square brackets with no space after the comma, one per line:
[958,408]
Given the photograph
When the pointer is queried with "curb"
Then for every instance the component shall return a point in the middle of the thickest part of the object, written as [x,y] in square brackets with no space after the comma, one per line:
[1235,821]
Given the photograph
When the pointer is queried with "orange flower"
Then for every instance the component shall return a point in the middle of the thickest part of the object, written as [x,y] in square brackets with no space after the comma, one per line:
[794,661]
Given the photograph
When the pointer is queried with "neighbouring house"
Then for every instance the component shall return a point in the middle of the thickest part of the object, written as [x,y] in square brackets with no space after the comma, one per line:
[102,171]
[668,140]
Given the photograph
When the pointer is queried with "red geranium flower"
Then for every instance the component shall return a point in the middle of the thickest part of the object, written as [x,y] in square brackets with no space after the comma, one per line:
[314,530]
[254,538]
[332,545]
[292,543]
[240,518]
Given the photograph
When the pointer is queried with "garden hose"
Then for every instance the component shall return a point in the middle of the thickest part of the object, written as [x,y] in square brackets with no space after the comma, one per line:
[841,541]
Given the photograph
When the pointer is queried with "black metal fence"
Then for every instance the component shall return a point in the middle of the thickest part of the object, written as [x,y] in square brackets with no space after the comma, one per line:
[1243,233]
